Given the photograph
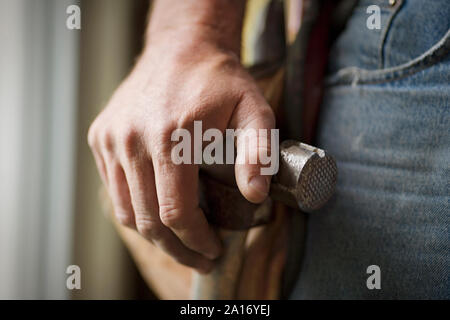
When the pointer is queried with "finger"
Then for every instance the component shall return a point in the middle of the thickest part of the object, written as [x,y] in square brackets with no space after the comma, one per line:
[256,160]
[120,194]
[177,189]
[141,180]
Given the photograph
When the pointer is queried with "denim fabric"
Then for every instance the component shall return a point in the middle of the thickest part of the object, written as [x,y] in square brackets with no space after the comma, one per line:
[386,119]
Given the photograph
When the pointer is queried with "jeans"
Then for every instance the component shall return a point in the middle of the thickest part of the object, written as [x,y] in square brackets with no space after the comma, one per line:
[386,119]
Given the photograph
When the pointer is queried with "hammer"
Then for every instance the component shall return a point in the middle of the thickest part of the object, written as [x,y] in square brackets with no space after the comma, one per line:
[306,180]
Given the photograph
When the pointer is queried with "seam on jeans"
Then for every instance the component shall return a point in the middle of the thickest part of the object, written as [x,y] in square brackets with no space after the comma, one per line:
[355,75]
[381,62]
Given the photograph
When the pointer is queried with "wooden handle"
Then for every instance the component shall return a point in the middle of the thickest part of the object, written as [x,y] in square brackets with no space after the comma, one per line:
[222,282]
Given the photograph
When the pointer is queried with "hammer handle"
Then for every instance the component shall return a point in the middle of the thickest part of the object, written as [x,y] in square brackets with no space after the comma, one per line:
[221,283]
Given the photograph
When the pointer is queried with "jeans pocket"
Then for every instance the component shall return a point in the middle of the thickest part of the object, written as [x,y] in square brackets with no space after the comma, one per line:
[414,36]
[415,27]
[355,75]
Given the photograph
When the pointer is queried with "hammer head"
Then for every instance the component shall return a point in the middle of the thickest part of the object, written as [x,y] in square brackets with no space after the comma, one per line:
[306,180]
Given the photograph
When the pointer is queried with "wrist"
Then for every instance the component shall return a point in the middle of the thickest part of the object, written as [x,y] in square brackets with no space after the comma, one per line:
[183,49]
[217,23]
[192,38]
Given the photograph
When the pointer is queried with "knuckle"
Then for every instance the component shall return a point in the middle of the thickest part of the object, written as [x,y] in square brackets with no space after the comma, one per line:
[255,107]
[165,132]
[106,140]
[125,219]
[160,130]
[198,110]
[268,114]
[92,135]
[162,144]
[262,114]
[172,216]
[149,229]
[129,141]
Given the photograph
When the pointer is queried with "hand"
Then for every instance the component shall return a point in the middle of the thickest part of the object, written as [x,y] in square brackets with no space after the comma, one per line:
[171,86]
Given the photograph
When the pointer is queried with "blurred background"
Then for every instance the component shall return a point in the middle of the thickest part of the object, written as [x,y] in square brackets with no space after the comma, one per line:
[53,82]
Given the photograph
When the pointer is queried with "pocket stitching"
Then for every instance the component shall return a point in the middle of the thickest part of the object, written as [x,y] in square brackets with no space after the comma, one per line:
[397,8]
[355,75]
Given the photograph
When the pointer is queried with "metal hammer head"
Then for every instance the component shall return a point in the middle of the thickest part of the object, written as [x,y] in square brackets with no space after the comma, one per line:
[306,180]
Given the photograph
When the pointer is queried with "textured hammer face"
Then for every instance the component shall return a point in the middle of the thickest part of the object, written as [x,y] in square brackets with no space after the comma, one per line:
[317,182]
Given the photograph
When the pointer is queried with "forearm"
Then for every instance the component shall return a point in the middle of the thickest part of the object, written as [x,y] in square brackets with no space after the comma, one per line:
[215,22]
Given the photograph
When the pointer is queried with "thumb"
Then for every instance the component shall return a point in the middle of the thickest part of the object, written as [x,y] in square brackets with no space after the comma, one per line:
[254,122]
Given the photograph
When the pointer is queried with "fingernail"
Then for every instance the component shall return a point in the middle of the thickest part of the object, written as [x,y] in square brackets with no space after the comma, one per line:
[260,184]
